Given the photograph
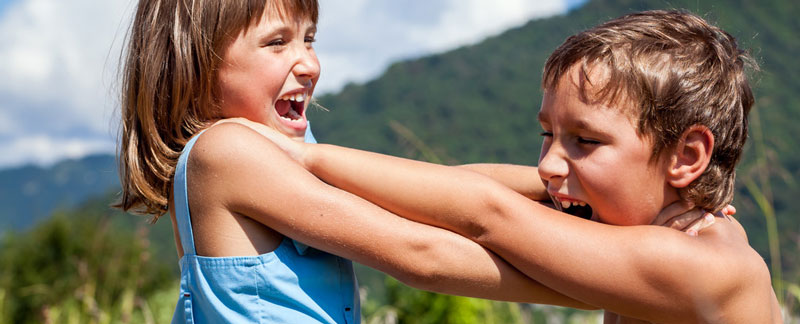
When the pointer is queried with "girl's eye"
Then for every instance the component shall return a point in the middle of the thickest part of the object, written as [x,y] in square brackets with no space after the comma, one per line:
[587,141]
[546,134]
[276,42]
[310,39]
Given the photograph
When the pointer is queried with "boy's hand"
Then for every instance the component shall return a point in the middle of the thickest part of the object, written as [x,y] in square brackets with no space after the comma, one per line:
[684,217]
[293,148]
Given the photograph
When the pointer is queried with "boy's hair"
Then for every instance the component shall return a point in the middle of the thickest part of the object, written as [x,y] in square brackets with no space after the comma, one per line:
[169,74]
[673,70]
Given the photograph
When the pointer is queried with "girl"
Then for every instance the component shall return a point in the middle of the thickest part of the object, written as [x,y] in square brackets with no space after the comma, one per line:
[235,199]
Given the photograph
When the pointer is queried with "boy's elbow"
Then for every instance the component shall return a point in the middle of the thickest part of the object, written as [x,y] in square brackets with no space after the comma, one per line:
[496,210]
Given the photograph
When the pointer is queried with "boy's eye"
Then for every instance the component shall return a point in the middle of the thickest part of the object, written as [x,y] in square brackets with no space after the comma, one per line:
[583,140]
[310,39]
[546,134]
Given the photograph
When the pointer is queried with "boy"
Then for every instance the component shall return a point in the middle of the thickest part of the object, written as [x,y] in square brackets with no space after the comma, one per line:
[638,113]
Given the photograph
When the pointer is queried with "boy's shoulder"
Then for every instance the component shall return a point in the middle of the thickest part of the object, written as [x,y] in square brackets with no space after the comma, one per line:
[739,272]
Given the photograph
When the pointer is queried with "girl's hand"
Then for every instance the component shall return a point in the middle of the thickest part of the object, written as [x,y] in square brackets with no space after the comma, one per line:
[293,148]
[684,217]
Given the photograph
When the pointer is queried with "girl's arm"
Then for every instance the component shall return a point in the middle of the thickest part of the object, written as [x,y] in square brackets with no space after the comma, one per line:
[646,272]
[523,179]
[250,176]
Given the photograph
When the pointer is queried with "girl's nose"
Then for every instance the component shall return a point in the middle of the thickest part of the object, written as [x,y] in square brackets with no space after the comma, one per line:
[307,65]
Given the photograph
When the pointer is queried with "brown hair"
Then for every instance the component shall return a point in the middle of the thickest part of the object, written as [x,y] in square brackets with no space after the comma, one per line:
[168,85]
[676,70]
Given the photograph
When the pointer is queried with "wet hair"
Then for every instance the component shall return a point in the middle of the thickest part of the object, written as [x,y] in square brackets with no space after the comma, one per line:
[168,77]
[670,70]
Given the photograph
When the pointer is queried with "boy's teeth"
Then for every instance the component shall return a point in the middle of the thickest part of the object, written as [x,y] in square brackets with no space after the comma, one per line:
[565,204]
[582,204]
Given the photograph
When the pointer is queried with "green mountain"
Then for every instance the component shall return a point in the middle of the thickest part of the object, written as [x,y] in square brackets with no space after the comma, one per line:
[31,193]
[479,103]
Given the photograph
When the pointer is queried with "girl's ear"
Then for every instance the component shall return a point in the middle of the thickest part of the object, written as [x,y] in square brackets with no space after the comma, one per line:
[691,156]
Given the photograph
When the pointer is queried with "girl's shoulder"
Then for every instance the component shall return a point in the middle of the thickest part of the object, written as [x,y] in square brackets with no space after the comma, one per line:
[224,145]
[229,158]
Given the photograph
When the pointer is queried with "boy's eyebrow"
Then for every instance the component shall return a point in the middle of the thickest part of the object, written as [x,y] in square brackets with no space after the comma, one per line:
[541,116]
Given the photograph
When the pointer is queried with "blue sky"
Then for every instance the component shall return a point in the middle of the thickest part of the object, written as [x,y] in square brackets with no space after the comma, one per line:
[58,59]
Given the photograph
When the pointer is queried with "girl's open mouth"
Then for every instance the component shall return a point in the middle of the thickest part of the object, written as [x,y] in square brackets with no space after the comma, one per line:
[291,107]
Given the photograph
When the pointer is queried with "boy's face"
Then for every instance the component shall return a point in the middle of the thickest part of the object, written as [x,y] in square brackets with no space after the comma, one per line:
[268,74]
[592,155]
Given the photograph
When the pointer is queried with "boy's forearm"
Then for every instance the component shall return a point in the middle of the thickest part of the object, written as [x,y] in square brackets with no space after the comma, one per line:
[524,180]
[424,192]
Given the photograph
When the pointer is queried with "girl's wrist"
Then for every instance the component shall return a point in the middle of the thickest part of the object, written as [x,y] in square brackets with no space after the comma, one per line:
[305,155]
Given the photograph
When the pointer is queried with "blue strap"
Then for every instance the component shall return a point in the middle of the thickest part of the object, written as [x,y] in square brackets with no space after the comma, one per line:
[182,201]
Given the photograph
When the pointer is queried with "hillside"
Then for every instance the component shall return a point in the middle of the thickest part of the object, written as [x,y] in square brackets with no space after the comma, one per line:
[30,193]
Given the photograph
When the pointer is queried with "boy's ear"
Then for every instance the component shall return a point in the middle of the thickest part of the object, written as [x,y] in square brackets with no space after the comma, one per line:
[691,156]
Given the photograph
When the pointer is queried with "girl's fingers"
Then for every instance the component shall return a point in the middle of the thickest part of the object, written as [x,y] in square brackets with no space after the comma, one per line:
[673,213]
[707,220]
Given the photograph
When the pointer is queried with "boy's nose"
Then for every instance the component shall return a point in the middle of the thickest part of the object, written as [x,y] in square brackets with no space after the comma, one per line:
[552,165]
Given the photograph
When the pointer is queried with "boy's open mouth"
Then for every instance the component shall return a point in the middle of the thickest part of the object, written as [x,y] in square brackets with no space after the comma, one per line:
[580,209]
[290,107]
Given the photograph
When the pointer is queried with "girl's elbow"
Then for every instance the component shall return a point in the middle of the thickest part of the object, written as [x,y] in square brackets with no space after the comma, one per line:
[425,275]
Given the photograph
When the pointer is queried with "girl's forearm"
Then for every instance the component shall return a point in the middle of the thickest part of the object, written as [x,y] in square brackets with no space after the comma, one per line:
[424,192]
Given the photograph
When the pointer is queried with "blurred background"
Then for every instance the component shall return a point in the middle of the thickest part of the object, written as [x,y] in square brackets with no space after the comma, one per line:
[447,81]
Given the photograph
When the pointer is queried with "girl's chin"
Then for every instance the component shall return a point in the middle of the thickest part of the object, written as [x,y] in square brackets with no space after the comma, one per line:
[292,128]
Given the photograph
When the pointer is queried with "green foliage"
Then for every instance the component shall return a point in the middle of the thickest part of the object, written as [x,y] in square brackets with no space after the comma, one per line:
[79,267]
[385,300]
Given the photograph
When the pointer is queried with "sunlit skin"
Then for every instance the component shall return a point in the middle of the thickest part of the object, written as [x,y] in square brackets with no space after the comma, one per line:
[592,154]
[271,60]
[592,151]
[246,195]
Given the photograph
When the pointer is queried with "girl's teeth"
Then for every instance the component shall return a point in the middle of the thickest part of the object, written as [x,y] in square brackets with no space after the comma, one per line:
[582,204]
[299,97]
[565,204]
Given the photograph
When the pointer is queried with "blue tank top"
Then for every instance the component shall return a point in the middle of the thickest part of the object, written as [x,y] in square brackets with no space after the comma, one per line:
[293,284]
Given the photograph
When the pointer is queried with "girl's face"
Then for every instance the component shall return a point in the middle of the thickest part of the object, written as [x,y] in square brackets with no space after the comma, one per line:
[268,74]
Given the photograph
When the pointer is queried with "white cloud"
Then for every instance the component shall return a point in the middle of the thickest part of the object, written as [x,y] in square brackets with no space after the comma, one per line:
[358,39]
[58,59]
[43,149]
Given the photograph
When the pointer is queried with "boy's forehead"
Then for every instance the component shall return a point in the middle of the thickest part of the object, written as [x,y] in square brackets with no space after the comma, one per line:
[590,85]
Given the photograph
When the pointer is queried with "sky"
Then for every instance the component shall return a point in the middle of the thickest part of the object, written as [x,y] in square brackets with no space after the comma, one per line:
[58,59]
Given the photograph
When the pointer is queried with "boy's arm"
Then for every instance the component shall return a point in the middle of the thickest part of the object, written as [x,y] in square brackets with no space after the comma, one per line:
[645,272]
[523,179]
